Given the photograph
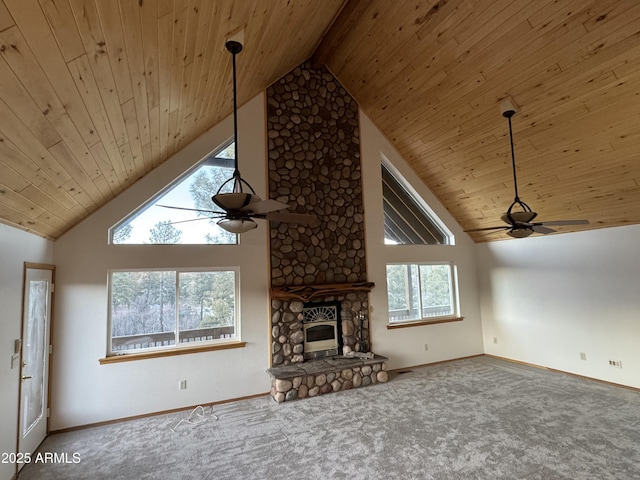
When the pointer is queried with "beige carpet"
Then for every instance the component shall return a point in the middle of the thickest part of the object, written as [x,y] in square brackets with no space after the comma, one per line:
[478,418]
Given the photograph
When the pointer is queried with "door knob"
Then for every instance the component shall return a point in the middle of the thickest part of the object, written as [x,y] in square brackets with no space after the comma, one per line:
[27,377]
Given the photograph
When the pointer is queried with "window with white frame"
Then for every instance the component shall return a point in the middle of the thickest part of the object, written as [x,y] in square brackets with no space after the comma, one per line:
[168,309]
[421,292]
[188,220]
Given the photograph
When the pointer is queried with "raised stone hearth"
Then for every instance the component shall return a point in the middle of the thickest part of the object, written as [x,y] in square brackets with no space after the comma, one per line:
[317,377]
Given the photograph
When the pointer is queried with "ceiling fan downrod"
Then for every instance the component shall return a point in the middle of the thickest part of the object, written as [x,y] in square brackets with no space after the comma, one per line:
[526,210]
[235,221]
[235,47]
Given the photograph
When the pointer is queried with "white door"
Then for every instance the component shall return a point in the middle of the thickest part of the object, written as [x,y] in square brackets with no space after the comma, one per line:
[36,333]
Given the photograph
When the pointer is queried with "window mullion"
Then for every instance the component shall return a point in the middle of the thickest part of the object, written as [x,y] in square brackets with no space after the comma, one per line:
[176,328]
[419,292]
[408,289]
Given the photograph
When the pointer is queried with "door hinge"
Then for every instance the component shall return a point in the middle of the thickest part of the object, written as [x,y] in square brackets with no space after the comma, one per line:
[50,349]
[53,288]
[48,412]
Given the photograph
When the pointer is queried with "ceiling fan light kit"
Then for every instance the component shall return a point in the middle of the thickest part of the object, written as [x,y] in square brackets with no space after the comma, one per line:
[520,222]
[237,225]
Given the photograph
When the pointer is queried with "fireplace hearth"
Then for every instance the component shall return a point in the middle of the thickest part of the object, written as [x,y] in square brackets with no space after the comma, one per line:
[326,375]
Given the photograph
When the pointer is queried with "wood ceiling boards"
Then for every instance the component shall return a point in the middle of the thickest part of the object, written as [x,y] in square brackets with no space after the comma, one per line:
[431,75]
[96,93]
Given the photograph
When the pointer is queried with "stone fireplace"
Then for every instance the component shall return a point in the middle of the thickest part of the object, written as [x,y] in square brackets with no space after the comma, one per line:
[314,167]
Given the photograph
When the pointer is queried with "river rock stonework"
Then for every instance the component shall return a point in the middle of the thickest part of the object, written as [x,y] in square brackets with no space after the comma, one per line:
[314,167]
[325,376]
[287,337]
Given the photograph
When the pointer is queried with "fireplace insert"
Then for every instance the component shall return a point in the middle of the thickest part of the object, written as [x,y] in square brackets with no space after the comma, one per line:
[322,329]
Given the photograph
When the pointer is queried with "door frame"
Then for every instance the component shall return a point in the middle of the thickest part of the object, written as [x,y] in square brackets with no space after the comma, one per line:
[52,268]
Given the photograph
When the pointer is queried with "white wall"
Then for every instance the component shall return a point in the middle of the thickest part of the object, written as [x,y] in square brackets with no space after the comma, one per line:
[83,391]
[405,346]
[16,247]
[546,299]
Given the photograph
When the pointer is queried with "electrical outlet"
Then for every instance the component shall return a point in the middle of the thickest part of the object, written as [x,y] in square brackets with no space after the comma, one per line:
[615,363]
[183,384]
[583,356]
[426,347]
[495,340]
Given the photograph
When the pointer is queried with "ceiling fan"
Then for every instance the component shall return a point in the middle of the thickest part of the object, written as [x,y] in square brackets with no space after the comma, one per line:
[239,208]
[519,223]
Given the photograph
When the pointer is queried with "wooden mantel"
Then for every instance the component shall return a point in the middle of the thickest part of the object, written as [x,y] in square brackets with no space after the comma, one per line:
[306,293]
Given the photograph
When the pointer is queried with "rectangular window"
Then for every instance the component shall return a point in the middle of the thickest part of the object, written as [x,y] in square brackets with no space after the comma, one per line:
[152,309]
[421,292]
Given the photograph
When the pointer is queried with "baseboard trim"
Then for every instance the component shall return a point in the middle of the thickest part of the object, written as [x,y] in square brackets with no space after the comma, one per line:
[404,369]
[541,367]
[519,362]
[154,414]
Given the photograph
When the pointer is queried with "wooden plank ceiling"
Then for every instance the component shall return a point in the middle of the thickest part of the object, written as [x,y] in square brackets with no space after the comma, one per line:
[96,93]
[431,75]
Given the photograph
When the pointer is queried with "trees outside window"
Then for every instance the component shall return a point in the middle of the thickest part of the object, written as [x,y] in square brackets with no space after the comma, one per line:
[164,233]
[161,309]
[153,223]
[420,292]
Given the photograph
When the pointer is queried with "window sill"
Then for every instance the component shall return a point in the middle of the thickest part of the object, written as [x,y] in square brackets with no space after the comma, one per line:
[418,323]
[128,357]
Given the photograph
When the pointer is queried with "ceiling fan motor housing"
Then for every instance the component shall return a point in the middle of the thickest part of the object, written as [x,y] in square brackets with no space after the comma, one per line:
[233,46]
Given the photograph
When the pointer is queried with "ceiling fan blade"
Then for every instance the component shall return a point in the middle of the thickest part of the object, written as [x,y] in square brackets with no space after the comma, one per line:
[299,218]
[543,230]
[191,209]
[195,219]
[564,222]
[501,227]
[264,206]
